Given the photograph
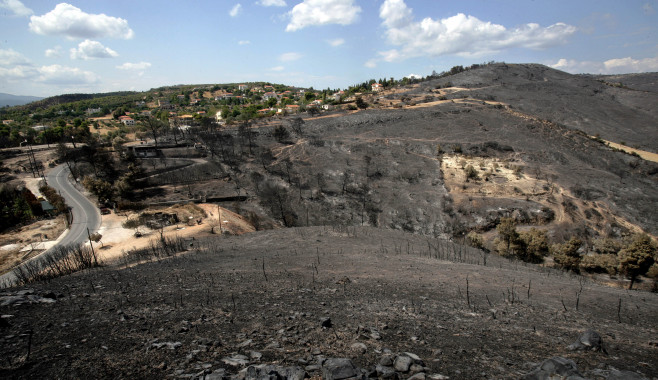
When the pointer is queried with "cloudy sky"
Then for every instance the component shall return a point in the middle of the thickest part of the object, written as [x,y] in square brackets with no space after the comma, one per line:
[49,47]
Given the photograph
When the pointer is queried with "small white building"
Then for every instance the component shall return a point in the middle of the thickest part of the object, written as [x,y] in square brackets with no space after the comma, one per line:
[126,120]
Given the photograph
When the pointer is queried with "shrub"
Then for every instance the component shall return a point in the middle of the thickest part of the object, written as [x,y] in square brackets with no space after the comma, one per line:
[566,255]
[475,240]
[471,173]
[600,263]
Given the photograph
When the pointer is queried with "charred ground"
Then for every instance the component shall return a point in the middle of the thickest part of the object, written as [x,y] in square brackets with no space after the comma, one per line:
[376,239]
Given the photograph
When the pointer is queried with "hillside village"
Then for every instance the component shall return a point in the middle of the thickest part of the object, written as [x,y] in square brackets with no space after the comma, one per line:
[49,120]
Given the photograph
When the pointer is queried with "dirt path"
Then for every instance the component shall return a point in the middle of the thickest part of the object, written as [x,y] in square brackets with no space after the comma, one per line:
[649,156]
[117,239]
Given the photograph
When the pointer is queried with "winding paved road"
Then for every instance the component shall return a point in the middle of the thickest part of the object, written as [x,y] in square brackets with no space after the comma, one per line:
[85,215]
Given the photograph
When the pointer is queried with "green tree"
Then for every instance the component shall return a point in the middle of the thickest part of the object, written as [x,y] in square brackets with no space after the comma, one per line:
[636,259]
[508,240]
[535,244]
[566,255]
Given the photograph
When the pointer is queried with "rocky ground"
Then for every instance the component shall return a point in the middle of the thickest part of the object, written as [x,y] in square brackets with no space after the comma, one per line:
[293,302]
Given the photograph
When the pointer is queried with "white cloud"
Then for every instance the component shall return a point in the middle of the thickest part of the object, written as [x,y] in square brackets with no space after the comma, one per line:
[18,72]
[611,66]
[244,42]
[277,68]
[461,35]
[322,12]
[134,66]
[64,75]
[287,57]
[10,57]
[371,63]
[16,7]
[272,3]
[631,65]
[235,10]
[15,66]
[55,52]
[336,42]
[88,49]
[72,22]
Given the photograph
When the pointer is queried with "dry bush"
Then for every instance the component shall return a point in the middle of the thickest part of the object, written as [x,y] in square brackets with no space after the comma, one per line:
[60,262]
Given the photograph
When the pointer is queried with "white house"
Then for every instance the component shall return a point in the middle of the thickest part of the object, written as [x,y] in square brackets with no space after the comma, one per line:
[269,95]
[127,120]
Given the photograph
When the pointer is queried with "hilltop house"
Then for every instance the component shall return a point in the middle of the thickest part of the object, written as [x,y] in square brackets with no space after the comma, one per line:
[243,87]
[376,87]
[292,108]
[127,120]
[269,95]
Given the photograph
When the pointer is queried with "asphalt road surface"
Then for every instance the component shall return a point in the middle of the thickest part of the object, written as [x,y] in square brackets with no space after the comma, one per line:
[85,215]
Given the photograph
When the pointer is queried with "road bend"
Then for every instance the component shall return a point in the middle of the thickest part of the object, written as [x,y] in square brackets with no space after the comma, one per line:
[85,215]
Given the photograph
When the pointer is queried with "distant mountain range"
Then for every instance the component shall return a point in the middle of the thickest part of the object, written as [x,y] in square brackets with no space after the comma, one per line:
[16,100]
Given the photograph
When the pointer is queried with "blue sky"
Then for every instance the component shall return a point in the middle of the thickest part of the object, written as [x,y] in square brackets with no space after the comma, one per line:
[49,47]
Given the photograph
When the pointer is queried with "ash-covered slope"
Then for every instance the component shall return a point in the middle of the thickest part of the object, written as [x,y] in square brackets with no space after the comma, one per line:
[296,297]
[591,104]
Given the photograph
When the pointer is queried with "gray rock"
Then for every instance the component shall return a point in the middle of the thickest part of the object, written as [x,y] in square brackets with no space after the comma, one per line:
[338,368]
[386,360]
[402,363]
[590,340]
[312,368]
[292,373]
[386,372]
[217,374]
[415,368]
[418,376]
[414,357]
[359,347]
[555,368]
[236,360]
[438,376]
[169,345]
[624,375]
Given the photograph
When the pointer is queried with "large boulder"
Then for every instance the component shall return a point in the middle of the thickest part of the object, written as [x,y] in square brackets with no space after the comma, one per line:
[338,368]
[590,340]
